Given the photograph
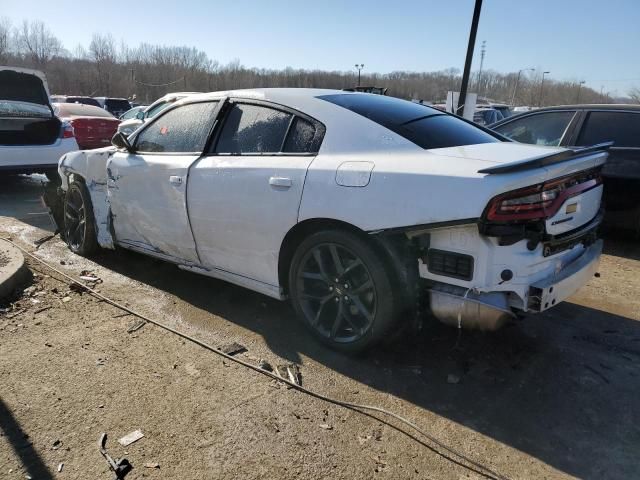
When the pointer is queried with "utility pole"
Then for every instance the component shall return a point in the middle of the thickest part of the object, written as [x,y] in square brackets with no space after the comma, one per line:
[515,89]
[541,87]
[578,96]
[483,49]
[601,95]
[359,67]
[467,64]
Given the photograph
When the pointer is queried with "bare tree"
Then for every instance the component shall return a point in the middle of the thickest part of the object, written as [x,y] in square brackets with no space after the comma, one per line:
[5,39]
[38,43]
[634,94]
[102,51]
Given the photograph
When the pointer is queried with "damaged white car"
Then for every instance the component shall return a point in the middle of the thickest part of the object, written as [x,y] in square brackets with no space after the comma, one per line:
[356,207]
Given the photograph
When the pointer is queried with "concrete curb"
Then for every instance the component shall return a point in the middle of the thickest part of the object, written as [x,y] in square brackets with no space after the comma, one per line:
[13,270]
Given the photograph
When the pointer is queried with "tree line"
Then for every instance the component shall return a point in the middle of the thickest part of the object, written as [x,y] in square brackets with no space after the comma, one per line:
[146,72]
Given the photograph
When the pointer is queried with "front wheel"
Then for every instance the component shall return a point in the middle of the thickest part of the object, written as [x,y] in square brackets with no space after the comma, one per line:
[79,223]
[341,289]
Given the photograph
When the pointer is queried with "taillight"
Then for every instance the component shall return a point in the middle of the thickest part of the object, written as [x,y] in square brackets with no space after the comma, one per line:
[540,201]
[67,130]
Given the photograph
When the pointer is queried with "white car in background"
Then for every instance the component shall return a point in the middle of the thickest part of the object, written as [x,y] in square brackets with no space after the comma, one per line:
[32,138]
[354,206]
[128,126]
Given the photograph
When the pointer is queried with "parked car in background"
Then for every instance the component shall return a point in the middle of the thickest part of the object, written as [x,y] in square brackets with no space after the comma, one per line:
[74,99]
[93,126]
[32,137]
[582,125]
[132,112]
[130,125]
[392,207]
[487,116]
[115,106]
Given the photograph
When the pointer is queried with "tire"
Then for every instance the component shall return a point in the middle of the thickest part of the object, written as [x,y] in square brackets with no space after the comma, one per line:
[341,289]
[79,222]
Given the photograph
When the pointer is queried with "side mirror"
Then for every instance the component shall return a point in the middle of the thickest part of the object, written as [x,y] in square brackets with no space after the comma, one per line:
[140,115]
[121,141]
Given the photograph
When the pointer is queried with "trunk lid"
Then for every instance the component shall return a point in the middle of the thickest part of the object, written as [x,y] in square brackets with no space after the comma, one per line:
[93,132]
[22,91]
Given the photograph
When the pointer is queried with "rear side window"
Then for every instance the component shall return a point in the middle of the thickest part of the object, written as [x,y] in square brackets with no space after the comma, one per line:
[422,125]
[622,128]
[253,129]
[157,109]
[546,128]
[301,137]
[184,129]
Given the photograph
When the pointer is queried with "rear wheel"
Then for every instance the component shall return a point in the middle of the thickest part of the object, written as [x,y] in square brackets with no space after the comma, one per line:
[79,223]
[341,289]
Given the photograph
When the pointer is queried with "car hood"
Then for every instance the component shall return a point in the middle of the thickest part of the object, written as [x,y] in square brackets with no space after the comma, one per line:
[24,86]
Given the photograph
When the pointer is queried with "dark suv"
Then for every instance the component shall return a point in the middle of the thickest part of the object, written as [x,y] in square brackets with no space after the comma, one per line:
[582,125]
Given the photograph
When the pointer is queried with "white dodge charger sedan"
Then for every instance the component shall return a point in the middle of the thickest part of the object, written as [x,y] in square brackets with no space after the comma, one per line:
[361,209]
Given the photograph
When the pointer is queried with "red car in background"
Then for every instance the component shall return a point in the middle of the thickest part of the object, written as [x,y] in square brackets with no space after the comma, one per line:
[93,126]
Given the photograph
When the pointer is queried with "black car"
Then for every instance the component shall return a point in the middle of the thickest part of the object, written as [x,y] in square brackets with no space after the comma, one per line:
[582,125]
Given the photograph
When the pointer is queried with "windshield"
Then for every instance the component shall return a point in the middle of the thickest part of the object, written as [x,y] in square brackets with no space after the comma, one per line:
[9,108]
[422,125]
[84,100]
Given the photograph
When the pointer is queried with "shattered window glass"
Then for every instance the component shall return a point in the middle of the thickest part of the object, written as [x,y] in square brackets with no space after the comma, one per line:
[300,138]
[184,129]
[253,129]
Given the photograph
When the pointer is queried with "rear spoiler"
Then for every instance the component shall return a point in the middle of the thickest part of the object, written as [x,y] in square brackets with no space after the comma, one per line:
[568,154]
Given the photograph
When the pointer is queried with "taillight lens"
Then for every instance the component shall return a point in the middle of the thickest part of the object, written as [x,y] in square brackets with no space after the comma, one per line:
[540,201]
[67,130]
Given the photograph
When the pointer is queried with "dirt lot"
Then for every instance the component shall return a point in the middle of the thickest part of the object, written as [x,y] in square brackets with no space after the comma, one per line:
[553,396]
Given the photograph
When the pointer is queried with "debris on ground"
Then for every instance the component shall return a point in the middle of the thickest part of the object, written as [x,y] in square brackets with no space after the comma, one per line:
[135,326]
[325,426]
[66,299]
[264,365]
[293,372]
[56,445]
[233,349]
[89,277]
[60,467]
[130,438]
[151,465]
[121,467]
[380,463]
[40,241]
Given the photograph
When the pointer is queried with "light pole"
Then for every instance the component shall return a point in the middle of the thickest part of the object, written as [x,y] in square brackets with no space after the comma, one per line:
[359,67]
[515,89]
[541,87]
[462,98]
[578,96]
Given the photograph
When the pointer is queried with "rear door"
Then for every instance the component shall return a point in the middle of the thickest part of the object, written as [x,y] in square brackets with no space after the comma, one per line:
[147,188]
[245,193]
[621,127]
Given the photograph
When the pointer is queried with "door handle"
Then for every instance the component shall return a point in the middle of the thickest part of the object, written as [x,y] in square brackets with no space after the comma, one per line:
[175,180]
[283,182]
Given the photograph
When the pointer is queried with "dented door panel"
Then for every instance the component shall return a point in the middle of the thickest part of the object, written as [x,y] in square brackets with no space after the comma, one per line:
[147,195]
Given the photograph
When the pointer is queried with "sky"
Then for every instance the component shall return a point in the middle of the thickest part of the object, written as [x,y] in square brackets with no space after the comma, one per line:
[592,40]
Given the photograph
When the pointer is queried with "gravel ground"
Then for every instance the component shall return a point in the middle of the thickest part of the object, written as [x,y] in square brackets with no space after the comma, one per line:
[553,396]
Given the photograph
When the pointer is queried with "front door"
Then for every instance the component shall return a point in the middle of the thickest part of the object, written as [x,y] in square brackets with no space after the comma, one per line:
[147,187]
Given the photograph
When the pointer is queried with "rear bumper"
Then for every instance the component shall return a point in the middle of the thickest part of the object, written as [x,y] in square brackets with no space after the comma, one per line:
[554,289]
[34,158]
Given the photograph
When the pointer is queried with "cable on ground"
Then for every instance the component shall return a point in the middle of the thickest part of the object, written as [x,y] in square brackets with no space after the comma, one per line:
[471,464]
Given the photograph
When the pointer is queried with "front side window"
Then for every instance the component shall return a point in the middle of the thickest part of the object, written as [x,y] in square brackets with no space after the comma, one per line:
[622,128]
[546,128]
[253,129]
[184,129]
[425,126]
